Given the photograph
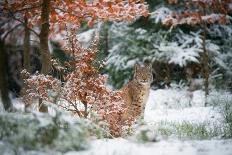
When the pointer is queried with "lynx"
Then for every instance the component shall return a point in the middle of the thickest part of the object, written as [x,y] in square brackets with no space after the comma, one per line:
[136,92]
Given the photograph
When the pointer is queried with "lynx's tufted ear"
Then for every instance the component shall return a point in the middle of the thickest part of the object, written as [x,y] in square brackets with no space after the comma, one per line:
[149,69]
[148,65]
[136,67]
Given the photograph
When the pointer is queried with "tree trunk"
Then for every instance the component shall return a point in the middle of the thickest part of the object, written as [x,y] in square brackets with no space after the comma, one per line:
[26,54]
[46,57]
[205,61]
[44,50]
[3,79]
[26,46]
[106,38]
[86,109]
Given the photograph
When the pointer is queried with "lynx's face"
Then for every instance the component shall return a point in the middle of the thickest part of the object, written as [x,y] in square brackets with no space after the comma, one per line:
[143,74]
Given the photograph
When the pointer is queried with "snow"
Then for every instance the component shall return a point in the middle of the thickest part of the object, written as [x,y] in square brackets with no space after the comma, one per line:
[186,49]
[122,146]
[174,105]
[1,106]
[207,114]
[160,14]
[180,54]
[212,17]
[86,37]
[17,104]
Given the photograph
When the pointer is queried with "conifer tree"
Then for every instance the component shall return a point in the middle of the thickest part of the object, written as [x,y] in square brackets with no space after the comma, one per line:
[203,13]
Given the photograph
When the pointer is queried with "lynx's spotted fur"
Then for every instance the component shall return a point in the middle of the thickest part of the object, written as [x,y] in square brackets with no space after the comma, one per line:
[136,92]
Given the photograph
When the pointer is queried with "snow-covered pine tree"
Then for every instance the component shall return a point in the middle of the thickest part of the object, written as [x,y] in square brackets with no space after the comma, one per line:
[202,13]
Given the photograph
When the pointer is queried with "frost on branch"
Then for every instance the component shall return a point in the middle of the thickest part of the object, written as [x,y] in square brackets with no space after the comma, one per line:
[160,14]
[185,49]
[39,86]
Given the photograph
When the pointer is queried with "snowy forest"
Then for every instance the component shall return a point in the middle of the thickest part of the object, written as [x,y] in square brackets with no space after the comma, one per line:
[119,77]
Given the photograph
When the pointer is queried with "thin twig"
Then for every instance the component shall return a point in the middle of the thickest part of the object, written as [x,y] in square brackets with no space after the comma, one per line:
[77,110]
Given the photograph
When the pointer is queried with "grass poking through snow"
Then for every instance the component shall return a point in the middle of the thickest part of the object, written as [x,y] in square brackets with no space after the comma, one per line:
[187,130]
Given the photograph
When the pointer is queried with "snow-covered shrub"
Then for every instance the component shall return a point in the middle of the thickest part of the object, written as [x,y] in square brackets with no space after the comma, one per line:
[42,132]
[39,86]
[84,84]
[83,89]
[145,133]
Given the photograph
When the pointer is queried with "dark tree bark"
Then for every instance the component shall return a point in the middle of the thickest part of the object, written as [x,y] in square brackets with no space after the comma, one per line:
[205,63]
[44,50]
[205,60]
[86,108]
[26,46]
[45,55]
[3,79]
[26,54]
[106,38]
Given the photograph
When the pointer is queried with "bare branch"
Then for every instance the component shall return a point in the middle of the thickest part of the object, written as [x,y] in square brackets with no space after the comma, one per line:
[25,25]
[36,41]
[73,110]
[11,30]
[77,110]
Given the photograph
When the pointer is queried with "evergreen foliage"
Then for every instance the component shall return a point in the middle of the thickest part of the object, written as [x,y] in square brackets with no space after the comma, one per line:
[149,39]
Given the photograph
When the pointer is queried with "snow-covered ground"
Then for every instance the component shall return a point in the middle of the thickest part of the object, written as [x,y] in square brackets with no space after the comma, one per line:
[176,106]
[121,146]
[171,105]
